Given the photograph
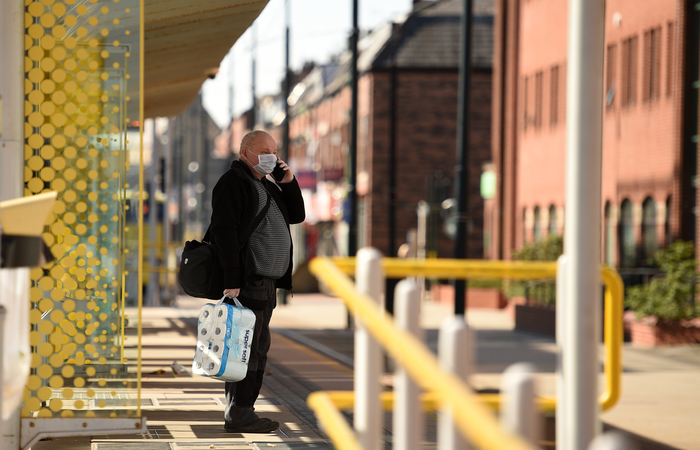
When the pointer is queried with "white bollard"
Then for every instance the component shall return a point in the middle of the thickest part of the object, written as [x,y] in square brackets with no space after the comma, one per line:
[612,440]
[518,412]
[368,416]
[408,413]
[455,352]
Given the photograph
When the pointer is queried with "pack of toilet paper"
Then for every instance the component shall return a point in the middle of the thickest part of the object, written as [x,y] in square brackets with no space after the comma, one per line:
[224,337]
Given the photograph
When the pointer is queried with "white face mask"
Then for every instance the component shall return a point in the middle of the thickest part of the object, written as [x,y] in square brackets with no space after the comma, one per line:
[266,163]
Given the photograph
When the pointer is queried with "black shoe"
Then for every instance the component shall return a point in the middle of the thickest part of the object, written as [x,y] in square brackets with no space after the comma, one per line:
[261,425]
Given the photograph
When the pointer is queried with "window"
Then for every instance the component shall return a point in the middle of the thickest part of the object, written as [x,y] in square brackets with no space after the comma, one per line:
[627,238]
[526,103]
[363,143]
[609,235]
[552,227]
[539,86]
[670,41]
[651,75]
[649,242]
[537,227]
[554,96]
[667,221]
[629,71]
[610,72]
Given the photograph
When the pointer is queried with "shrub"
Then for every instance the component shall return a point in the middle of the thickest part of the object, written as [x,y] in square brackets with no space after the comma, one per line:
[543,292]
[672,296]
[547,250]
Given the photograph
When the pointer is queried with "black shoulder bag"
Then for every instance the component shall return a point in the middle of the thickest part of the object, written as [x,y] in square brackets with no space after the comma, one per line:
[201,274]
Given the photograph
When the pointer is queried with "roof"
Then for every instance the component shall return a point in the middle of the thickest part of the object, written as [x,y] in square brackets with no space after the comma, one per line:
[426,38]
[185,42]
[430,37]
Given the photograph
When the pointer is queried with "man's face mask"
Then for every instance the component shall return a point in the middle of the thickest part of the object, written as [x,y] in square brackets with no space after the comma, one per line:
[266,163]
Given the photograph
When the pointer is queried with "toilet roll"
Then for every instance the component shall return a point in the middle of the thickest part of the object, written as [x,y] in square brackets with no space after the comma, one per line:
[224,338]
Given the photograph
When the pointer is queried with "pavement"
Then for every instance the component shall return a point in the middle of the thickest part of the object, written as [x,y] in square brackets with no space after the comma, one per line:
[660,401]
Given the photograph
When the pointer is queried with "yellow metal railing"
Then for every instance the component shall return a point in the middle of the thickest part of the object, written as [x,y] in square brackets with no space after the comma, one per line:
[443,388]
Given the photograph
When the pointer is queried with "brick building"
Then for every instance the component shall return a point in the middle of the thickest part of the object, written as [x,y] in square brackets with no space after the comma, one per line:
[649,125]
[407,117]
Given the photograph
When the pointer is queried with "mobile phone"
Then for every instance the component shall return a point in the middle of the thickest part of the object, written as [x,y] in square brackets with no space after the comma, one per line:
[278,172]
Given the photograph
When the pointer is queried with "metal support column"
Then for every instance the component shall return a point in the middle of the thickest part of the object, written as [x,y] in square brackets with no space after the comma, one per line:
[11,179]
[11,99]
[462,169]
[352,177]
[582,238]
[153,286]
[287,86]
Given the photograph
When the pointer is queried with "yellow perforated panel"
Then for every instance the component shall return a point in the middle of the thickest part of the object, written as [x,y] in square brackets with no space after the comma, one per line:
[75,144]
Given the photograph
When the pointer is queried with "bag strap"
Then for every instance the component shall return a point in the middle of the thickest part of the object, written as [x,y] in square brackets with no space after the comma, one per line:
[235,299]
[253,225]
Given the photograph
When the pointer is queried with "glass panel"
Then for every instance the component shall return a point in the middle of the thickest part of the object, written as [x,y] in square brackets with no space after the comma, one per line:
[79,55]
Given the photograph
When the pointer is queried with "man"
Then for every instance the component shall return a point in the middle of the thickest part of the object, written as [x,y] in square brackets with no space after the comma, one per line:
[254,269]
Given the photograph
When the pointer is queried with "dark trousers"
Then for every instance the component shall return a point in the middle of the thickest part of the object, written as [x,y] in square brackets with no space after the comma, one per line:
[241,395]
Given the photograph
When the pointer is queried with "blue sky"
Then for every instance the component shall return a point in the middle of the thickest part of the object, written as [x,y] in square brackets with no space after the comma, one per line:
[319,29]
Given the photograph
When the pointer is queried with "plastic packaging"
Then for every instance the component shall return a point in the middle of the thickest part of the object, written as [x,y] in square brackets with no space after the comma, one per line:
[224,338]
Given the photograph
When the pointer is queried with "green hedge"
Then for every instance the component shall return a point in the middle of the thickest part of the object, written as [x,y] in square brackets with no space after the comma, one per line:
[673,295]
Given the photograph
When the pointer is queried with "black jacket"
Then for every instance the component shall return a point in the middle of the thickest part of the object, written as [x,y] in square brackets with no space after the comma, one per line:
[234,202]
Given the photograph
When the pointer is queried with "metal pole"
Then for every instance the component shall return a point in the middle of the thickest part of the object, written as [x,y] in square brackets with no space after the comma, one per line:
[352,177]
[455,353]
[287,81]
[11,181]
[408,414]
[368,415]
[518,413]
[154,278]
[462,169]
[167,183]
[3,424]
[254,49]
[11,99]
[582,238]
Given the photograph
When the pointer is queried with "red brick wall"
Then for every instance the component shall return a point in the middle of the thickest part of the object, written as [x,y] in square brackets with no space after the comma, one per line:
[426,103]
[641,142]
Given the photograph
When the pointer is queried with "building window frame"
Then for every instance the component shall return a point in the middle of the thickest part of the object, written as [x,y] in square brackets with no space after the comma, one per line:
[627,238]
[670,53]
[651,69]
[539,101]
[554,95]
[628,72]
[610,76]
[537,224]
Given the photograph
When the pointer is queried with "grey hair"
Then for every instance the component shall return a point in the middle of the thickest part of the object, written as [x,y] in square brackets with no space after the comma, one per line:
[251,137]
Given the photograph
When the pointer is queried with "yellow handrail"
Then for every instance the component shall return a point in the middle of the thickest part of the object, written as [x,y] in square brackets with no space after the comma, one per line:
[522,270]
[334,423]
[457,268]
[345,401]
[612,336]
[471,416]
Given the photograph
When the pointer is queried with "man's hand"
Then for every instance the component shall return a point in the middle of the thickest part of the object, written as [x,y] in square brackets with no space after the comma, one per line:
[288,175]
[232,293]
